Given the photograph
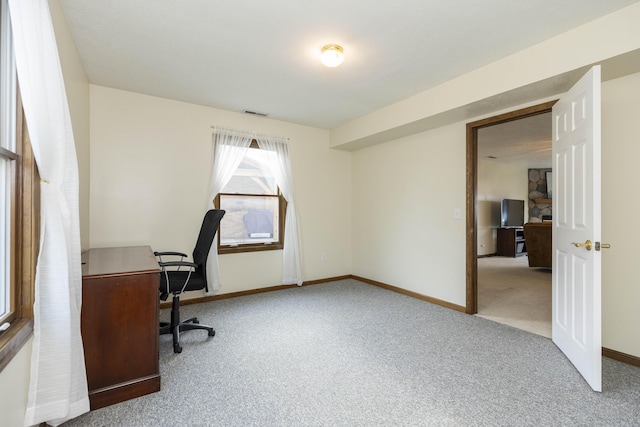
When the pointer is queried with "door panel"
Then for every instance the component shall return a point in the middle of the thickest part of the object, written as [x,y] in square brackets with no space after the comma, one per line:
[576,309]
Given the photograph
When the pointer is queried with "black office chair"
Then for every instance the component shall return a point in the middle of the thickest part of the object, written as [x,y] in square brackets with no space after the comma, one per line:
[191,278]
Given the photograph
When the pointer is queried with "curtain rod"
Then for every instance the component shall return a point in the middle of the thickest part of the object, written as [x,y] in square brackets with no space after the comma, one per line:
[250,133]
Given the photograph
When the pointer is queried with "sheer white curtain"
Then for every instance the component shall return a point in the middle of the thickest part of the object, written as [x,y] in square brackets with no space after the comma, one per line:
[58,385]
[229,147]
[280,167]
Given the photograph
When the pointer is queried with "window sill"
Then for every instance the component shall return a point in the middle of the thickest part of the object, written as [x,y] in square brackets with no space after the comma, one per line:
[12,340]
[249,248]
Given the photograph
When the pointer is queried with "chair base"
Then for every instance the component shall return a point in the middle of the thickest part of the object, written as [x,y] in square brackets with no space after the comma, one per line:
[176,326]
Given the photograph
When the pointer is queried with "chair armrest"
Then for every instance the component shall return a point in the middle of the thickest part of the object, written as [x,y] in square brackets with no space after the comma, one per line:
[170,254]
[177,264]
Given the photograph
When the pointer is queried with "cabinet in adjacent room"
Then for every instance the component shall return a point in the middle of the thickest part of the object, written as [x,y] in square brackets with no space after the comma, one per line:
[511,242]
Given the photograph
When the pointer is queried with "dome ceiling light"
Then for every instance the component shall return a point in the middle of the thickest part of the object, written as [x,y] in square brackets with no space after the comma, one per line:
[332,55]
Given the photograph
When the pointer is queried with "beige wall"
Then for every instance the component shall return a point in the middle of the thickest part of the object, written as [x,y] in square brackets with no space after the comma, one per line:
[405,194]
[620,154]
[150,170]
[497,181]
[14,388]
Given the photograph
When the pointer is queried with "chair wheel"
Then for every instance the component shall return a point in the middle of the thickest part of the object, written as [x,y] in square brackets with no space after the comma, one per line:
[212,333]
[177,349]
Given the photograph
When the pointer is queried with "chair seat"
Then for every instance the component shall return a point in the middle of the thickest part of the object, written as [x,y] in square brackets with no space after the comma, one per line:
[177,279]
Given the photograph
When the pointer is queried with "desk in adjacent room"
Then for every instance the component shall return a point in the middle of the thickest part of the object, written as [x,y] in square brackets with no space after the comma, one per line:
[120,323]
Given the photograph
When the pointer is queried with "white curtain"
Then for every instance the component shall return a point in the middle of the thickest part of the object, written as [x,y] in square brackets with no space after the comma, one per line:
[229,147]
[58,385]
[280,167]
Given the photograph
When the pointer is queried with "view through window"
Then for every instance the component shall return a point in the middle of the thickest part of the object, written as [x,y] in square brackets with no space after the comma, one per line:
[253,205]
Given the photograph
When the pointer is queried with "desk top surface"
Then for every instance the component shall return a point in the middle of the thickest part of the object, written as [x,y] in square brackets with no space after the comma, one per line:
[118,261]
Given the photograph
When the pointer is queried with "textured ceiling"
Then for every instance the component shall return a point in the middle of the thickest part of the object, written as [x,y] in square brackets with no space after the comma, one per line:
[263,56]
[524,142]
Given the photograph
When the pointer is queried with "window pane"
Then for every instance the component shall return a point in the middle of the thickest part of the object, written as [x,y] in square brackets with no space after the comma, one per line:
[252,176]
[5,234]
[7,169]
[249,219]
[7,83]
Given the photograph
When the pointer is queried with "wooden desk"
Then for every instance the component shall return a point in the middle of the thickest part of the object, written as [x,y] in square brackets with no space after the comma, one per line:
[119,323]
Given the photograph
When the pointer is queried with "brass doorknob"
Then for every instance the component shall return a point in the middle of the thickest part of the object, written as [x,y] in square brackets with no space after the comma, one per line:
[587,245]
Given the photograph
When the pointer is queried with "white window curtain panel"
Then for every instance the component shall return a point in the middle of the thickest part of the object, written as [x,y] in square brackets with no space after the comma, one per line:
[280,167]
[229,147]
[58,384]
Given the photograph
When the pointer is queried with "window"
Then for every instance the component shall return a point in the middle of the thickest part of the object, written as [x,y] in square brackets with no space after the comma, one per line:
[8,160]
[19,195]
[254,205]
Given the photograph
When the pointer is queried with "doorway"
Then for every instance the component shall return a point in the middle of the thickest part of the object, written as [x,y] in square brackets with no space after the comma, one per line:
[472,193]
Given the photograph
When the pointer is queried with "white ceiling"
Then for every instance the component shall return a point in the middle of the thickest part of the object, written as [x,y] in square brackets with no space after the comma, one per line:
[263,56]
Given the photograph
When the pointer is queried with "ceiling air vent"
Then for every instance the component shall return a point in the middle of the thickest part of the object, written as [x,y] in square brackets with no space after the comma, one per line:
[253,113]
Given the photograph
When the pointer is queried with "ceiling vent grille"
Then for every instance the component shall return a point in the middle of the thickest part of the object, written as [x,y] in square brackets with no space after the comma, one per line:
[253,113]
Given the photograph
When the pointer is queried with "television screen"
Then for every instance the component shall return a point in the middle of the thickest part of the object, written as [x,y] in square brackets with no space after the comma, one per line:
[512,213]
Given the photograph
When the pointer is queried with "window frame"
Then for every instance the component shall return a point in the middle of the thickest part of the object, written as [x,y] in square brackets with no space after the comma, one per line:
[255,247]
[24,210]
[25,242]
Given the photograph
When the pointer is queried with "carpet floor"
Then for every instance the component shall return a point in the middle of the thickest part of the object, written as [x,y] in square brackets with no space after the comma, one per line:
[350,354]
[511,292]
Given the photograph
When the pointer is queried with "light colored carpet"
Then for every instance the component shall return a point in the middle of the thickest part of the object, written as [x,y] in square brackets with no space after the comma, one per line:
[512,293]
[351,354]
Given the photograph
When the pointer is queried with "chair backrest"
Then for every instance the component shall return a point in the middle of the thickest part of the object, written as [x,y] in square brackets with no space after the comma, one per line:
[205,238]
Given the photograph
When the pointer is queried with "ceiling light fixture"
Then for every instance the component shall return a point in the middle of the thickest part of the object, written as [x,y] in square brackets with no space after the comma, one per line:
[332,55]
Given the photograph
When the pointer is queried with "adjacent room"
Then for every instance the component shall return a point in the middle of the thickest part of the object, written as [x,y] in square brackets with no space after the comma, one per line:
[514,273]
[343,188]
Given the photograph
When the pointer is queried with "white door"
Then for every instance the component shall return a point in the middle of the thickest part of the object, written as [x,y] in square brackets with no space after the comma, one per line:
[576,312]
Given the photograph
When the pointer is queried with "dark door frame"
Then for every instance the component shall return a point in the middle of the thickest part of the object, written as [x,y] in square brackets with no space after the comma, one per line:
[472,188]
